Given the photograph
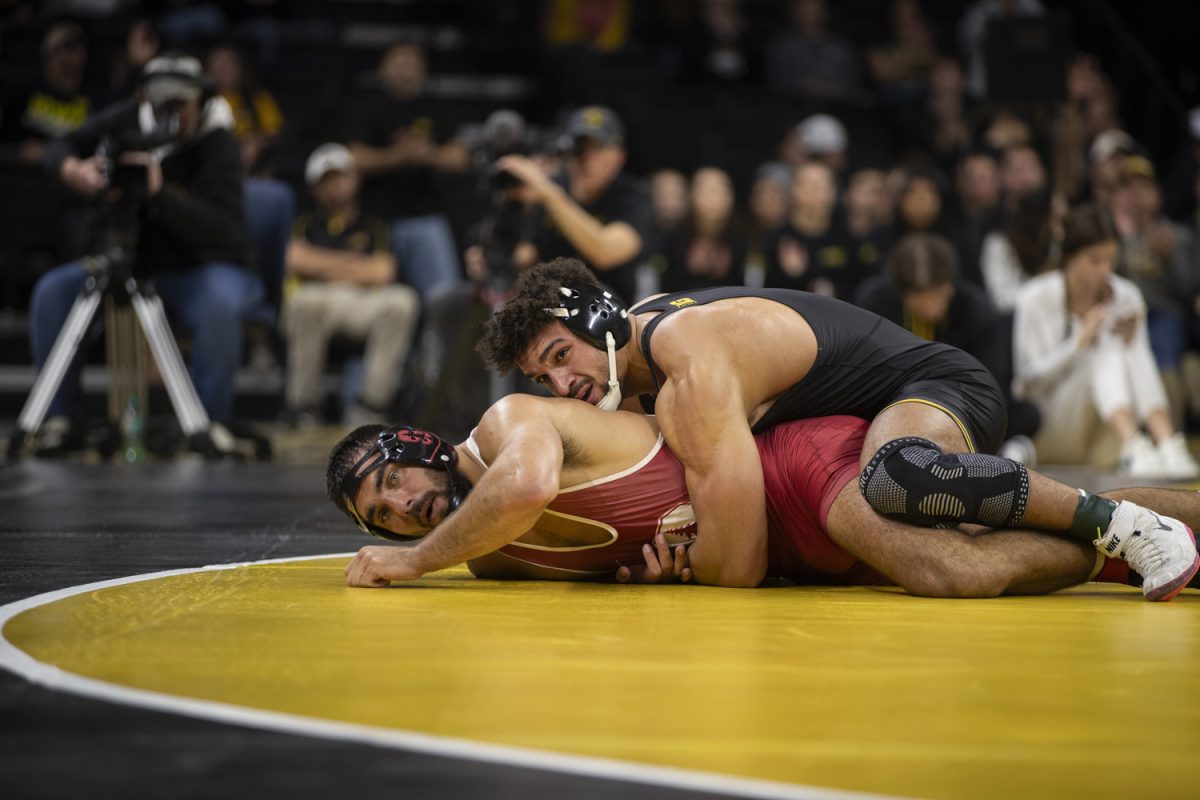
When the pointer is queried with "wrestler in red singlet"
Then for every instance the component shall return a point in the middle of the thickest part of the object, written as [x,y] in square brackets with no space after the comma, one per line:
[806,463]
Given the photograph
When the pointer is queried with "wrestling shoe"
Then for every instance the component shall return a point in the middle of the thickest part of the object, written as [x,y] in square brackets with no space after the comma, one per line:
[1160,549]
[1177,461]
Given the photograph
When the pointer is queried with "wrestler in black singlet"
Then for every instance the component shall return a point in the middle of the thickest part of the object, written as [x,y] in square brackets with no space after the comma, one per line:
[864,364]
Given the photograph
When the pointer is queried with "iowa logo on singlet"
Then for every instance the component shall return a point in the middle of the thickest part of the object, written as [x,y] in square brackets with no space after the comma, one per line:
[683,302]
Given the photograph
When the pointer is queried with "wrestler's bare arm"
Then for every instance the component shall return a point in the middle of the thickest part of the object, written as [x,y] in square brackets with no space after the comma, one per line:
[702,409]
[523,477]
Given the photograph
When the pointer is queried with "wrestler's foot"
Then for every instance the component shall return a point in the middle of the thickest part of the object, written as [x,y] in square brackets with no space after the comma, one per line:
[1160,549]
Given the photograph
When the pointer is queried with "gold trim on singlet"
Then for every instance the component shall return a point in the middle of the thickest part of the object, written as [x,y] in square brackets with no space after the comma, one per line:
[961,427]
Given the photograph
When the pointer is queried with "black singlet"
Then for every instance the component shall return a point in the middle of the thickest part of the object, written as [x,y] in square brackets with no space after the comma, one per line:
[864,364]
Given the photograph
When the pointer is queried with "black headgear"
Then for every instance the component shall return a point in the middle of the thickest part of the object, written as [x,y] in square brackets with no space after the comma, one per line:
[412,448]
[591,312]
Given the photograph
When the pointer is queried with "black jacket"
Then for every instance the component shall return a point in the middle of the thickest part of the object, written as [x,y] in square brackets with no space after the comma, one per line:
[198,217]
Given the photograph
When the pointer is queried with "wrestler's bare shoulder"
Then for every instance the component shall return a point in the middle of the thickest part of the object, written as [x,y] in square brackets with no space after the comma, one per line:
[735,318]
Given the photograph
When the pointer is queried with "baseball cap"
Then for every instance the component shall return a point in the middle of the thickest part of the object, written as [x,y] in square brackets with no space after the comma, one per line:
[169,78]
[821,134]
[326,158]
[597,123]
[1110,143]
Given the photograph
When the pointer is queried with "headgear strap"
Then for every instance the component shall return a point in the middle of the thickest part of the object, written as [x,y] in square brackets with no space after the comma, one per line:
[410,447]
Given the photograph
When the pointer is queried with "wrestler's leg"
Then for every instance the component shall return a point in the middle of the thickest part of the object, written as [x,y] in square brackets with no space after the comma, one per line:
[1182,504]
[951,563]
[1051,505]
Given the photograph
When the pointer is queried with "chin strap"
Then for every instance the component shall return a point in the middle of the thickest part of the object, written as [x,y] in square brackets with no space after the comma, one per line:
[612,399]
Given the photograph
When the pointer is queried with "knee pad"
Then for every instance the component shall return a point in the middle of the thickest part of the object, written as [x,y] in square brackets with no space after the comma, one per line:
[912,480]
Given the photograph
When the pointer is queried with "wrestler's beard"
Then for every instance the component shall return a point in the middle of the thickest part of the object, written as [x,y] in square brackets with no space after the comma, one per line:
[612,398]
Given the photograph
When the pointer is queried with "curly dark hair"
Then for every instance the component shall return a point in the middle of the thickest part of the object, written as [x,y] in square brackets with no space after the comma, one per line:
[508,334]
[344,456]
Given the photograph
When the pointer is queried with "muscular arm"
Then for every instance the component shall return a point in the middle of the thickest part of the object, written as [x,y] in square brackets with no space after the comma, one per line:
[521,481]
[702,411]
[310,262]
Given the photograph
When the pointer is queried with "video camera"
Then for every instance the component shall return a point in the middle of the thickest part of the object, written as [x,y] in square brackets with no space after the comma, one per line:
[132,179]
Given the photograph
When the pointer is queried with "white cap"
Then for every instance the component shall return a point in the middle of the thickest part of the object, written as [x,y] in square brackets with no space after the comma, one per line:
[168,78]
[821,134]
[1108,144]
[325,158]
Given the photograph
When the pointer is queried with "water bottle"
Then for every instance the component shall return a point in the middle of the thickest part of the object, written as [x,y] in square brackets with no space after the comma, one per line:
[133,432]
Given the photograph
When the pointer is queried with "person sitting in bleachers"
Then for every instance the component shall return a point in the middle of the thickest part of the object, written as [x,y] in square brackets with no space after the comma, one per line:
[923,293]
[53,104]
[1082,354]
[257,120]
[399,144]
[341,282]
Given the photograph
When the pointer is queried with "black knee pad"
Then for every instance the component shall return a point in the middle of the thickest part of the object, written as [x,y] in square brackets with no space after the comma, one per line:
[912,480]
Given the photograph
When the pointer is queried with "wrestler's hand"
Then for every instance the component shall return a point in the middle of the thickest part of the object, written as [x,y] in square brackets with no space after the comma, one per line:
[675,561]
[376,567]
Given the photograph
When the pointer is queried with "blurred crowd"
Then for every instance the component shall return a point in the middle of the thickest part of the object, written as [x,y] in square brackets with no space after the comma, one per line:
[1023,223]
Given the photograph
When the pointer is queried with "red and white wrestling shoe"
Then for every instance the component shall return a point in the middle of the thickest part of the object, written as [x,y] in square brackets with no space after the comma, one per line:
[1160,549]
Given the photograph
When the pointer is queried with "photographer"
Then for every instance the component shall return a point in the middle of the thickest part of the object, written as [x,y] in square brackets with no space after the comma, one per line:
[166,167]
[593,210]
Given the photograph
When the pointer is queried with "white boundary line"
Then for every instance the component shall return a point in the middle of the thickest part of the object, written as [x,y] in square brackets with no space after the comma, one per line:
[51,677]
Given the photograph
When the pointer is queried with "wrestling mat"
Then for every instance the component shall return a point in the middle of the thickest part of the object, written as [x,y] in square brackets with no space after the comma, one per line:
[776,692]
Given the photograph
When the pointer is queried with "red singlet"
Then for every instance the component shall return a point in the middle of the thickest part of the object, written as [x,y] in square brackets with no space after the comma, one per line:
[806,463]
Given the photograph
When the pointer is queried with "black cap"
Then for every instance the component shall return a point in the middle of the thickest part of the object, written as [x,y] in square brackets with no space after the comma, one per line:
[597,123]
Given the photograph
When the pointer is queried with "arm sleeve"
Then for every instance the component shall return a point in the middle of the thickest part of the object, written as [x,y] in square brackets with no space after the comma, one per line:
[1041,353]
[1001,272]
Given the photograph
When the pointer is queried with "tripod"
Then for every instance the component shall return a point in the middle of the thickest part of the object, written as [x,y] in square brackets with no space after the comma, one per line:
[111,276]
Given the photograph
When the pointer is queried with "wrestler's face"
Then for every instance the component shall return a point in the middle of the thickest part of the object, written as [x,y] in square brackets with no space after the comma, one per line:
[566,365]
[407,500]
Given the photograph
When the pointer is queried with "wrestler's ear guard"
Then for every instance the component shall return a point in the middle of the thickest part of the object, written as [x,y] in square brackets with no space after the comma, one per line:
[590,312]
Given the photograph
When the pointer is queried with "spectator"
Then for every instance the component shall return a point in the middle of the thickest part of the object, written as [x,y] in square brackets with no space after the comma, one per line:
[922,293]
[1082,354]
[717,45]
[919,203]
[669,200]
[768,212]
[54,104]
[1154,256]
[399,147]
[192,235]
[1018,250]
[809,61]
[257,120]
[810,251]
[868,224]
[977,212]
[341,275]
[594,211]
[707,250]
[1021,174]
[142,43]
[1105,157]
